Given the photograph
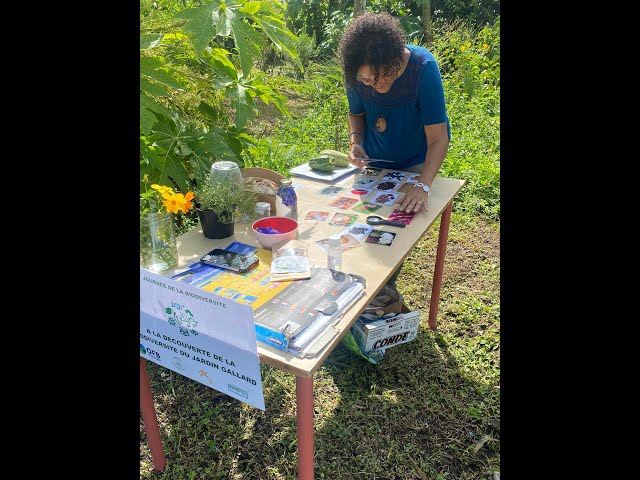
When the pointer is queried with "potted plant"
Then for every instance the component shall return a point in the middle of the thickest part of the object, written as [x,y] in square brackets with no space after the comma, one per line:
[219,205]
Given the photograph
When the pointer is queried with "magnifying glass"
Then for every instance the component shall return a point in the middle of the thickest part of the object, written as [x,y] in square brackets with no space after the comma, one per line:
[376,220]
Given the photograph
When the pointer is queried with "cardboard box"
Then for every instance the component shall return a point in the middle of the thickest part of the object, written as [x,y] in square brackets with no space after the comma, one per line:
[275,177]
[386,331]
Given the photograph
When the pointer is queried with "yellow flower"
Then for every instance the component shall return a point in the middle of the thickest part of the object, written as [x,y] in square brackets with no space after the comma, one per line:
[173,202]
[162,189]
[187,204]
[485,46]
[463,48]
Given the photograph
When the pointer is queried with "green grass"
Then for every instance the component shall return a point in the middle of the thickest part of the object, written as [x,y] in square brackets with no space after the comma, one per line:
[431,408]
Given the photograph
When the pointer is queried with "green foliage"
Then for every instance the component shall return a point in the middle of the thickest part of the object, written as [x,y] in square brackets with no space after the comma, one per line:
[274,155]
[333,30]
[474,153]
[469,57]
[196,96]
[307,50]
[226,200]
[477,12]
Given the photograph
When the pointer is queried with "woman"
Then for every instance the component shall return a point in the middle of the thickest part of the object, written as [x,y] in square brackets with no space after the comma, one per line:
[396,103]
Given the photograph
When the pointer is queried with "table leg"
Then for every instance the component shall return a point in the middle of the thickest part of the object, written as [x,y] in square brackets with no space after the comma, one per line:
[304,414]
[150,419]
[443,235]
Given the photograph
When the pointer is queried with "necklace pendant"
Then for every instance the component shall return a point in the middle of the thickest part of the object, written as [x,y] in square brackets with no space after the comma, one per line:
[381,124]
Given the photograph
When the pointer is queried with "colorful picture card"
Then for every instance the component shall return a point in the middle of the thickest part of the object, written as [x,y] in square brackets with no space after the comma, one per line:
[364,182]
[412,178]
[371,171]
[316,216]
[361,192]
[366,207]
[386,185]
[343,202]
[347,242]
[330,191]
[380,237]
[385,198]
[401,216]
[343,219]
[394,175]
[358,230]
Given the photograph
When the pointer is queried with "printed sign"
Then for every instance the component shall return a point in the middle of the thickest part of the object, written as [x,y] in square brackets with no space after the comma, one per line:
[205,337]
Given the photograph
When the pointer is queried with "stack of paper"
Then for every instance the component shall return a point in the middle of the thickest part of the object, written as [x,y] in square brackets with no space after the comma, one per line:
[305,170]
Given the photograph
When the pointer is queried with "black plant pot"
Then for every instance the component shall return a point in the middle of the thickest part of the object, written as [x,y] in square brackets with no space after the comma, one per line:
[211,225]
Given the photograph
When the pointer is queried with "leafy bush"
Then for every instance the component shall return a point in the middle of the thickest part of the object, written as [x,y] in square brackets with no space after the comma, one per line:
[196,96]
[469,57]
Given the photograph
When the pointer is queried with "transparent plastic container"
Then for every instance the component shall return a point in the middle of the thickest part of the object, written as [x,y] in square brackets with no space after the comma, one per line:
[263,209]
[334,253]
[226,172]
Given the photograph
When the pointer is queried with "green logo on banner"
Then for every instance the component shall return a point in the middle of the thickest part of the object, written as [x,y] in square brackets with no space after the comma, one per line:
[179,316]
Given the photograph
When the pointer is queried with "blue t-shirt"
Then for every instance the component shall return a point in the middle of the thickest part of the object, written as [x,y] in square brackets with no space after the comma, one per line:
[415,99]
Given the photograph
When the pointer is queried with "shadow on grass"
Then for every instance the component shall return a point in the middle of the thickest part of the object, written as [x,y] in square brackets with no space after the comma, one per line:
[413,416]
[207,434]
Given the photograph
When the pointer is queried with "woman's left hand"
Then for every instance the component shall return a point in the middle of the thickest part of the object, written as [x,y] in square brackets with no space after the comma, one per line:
[414,200]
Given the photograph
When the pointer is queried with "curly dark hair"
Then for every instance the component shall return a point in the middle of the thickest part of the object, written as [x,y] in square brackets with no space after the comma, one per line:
[374,39]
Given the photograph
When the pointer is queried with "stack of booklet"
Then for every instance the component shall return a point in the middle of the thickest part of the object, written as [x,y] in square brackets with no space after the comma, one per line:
[296,316]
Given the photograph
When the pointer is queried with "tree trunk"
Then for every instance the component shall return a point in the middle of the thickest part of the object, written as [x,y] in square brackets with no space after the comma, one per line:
[426,21]
[358,7]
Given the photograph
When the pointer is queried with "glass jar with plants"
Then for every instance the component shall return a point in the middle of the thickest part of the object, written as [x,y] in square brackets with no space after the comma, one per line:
[220,204]
[158,205]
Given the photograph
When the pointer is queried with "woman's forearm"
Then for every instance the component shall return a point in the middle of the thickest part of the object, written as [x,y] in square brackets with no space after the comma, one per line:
[433,160]
[356,129]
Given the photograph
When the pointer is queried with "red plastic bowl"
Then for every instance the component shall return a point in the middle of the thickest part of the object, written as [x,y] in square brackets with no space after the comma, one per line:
[287,226]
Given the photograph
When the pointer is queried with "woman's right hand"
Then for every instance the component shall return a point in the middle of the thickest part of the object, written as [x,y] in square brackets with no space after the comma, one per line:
[356,151]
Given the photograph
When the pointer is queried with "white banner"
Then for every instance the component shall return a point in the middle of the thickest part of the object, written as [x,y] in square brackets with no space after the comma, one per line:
[200,335]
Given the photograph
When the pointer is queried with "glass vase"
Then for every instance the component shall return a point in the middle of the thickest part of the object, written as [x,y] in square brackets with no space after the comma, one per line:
[158,249]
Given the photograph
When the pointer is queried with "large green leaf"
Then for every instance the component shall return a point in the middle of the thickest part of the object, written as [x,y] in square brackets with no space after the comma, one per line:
[154,68]
[152,88]
[243,104]
[148,119]
[281,36]
[267,6]
[170,132]
[200,24]
[215,144]
[153,156]
[166,165]
[248,42]
[222,18]
[224,71]
[212,146]
[268,95]
[150,40]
